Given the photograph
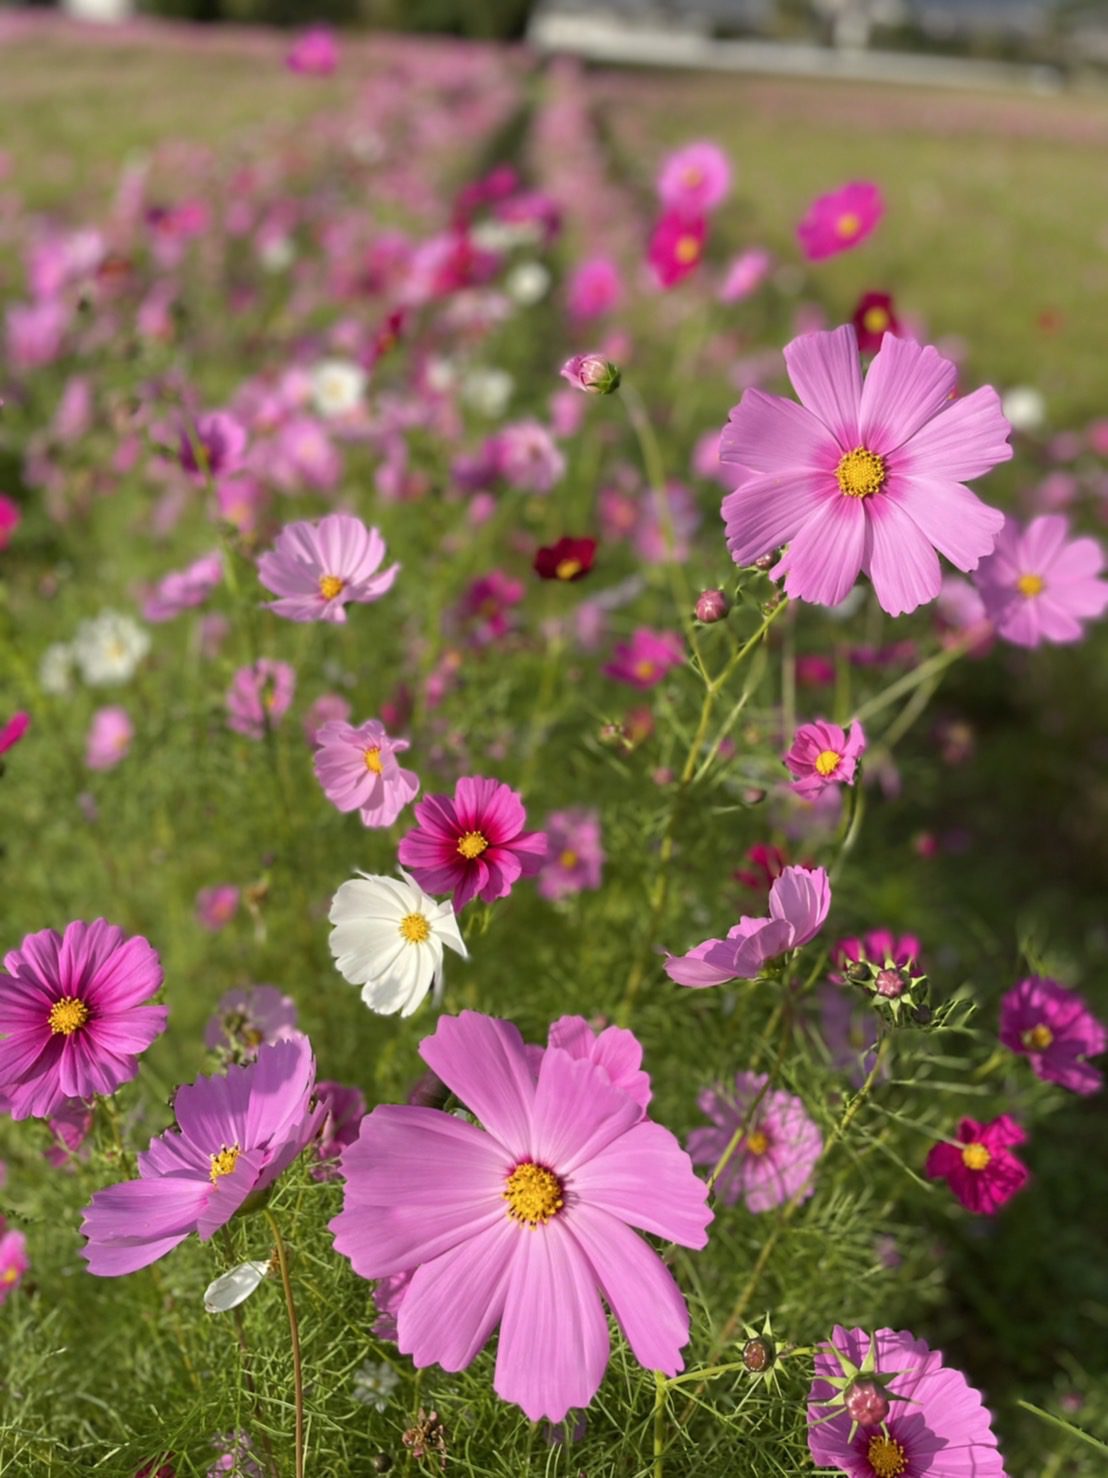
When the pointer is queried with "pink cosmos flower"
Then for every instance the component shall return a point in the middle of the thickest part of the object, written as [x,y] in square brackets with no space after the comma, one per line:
[745,275]
[72,1015]
[676,247]
[880,946]
[358,771]
[822,754]
[69,1126]
[328,708]
[595,288]
[486,604]
[14,1261]
[10,518]
[644,661]
[777,1153]
[314,53]
[249,1017]
[613,1049]
[1039,585]
[980,1168]
[13,731]
[345,1109]
[317,569]
[181,590]
[1055,1030]
[34,333]
[212,446]
[863,478]
[525,1222]
[935,1425]
[236,1134]
[472,845]
[798,904]
[575,856]
[526,458]
[259,696]
[109,738]
[215,907]
[695,179]
[839,220]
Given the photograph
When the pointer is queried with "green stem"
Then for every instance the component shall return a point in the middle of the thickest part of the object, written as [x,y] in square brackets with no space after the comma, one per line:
[294,1338]
[660,1386]
[933,667]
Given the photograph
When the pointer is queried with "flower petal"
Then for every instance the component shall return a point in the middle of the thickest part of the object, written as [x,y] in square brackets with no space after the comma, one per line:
[826,374]
[454,1302]
[902,564]
[647,1180]
[825,558]
[907,385]
[483,1061]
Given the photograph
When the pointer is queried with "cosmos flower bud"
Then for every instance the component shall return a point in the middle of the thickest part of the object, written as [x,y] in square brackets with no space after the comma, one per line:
[712,605]
[758,1355]
[891,982]
[866,1403]
[592,373]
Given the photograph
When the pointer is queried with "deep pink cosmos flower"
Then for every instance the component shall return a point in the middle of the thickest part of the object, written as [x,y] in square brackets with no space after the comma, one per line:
[798,903]
[777,1153]
[10,518]
[14,1261]
[345,1109]
[72,1015]
[863,477]
[594,288]
[981,1169]
[317,569]
[181,590]
[314,53]
[695,179]
[1055,1030]
[745,275]
[822,754]
[575,856]
[215,907]
[525,1222]
[644,661]
[69,1126]
[839,220]
[358,771]
[249,1017]
[212,446]
[259,696]
[765,864]
[568,559]
[873,318]
[109,738]
[13,731]
[676,247]
[1039,585]
[881,946]
[935,1425]
[485,607]
[236,1134]
[472,845]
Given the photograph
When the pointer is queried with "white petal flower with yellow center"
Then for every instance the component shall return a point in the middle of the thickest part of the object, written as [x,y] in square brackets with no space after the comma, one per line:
[389,937]
[337,387]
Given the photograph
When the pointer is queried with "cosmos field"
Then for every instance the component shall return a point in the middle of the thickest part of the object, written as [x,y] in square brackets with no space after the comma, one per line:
[552,817]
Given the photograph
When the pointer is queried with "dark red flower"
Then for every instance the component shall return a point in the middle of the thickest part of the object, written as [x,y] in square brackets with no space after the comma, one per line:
[568,559]
[874,317]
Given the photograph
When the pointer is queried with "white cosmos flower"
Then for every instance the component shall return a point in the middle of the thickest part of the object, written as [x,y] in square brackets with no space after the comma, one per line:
[55,670]
[527,283]
[1024,407]
[488,391]
[231,1289]
[389,937]
[108,648]
[337,386]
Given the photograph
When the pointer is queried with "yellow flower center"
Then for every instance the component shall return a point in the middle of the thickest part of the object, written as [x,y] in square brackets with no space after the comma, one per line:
[9,1275]
[1029,585]
[691,176]
[330,586]
[860,473]
[687,249]
[644,669]
[568,859]
[886,1456]
[565,569]
[471,844]
[224,1162]
[827,761]
[373,760]
[875,320]
[848,225]
[756,1143]
[67,1015]
[534,1194]
[415,928]
[1038,1038]
[975,1156]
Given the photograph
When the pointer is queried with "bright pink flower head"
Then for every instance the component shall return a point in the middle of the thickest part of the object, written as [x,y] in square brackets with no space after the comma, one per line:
[317,569]
[777,1153]
[1055,1030]
[874,317]
[525,1222]
[840,220]
[358,771]
[259,696]
[486,605]
[745,275]
[10,518]
[181,590]
[879,946]
[676,248]
[72,1015]
[345,1109]
[212,446]
[215,907]
[472,845]
[595,288]
[14,1262]
[109,738]
[645,660]
[936,1425]
[236,1134]
[575,856]
[981,1169]
[13,731]
[1040,585]
[35,333]
[695,179]
[764,865]
[799,901]
[249,1017]
[863,477]
[241,502]
[314,53]
[822,754]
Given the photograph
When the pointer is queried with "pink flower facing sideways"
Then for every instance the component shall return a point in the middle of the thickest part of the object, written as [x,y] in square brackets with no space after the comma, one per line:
[109,738]
[526,1222]
[14,1261]
[259,696]
[822,754]
[472,844]
[1055,1030]
[574,857]
[358,771]
[73,1015]
[181,590]
[980,1168]
[798,903]
[863,477]
[695,179]
[1039,585]
[841,219]
[235,1135]
[317,569]
[777,1153]
[644,661]
[13,731]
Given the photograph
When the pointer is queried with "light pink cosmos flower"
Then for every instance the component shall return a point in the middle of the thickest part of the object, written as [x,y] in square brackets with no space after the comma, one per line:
[822,754]
[863,477]
[645,660]
[798,904]
[249,1017]
[472,844]
[358,771]
[181,590]
[1055,1030]
[1039,585]
[14,1261]
[980,1167]
[109,738]
[345,1109]
[695,179]
[10,518]
[840,220]
[745,275]
[328,708]
[526,458]
[72,1015]
[215,907]
[777,1153]
[236,1134]
[259,696]
[34,333]
[317,569]
[614,1049]
[13,731]
[525,1222]
[314,53]
[575,856]
[589,372]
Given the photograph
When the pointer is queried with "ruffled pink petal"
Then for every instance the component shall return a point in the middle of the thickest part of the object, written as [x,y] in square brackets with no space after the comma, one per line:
[907,385]
[766,512]
[900,561]
[707,964]
[132,1224]
[767,434]
[616,1050]
[802,897]
[471,1281]
[646,1179]
[964,441]
[577,1112]
[761,940]
[825,558]
[952,518]
[483,1061]
[826,374]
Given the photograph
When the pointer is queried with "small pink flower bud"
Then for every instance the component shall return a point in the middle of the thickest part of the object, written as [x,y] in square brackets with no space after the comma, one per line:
[591,373]
[866,1403]
[712,605]
[890,983]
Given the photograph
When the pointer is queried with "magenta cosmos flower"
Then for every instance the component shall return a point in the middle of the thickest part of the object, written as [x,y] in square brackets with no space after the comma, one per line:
[317,569]
[109,738]
[676,247]
[314,53]
[13,731]
[249,1017]
[473,844]
[10,517]
[212,446]
[14,1261]
[798,903]
[980,1168]
[526,1222]
[776,1154]
[1039,585]
[574,856]
[881,946]
[839,220]
[259,696]
[1055,1030]
[822,754]
[181,590]
[236,1134]
[216,906]
[935,1425]
[358,771]
[72,1015]
[644,661]
[695,179]
[863,477]
[595,287]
